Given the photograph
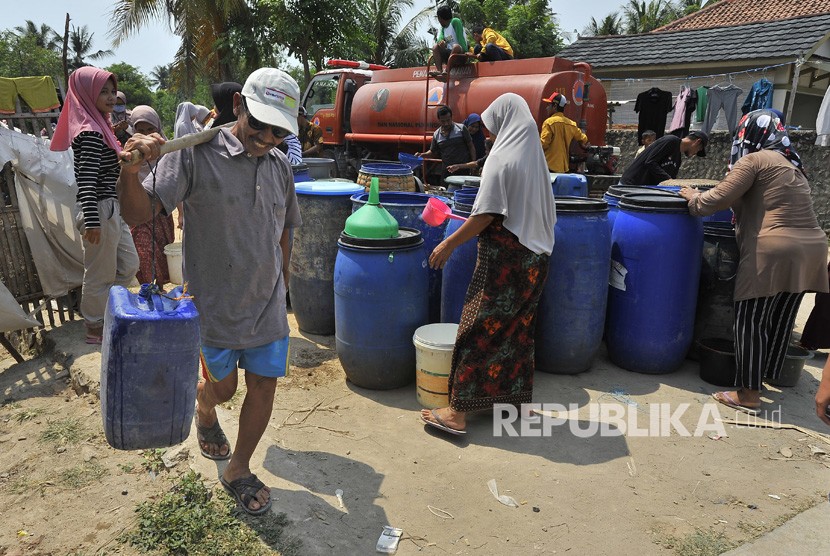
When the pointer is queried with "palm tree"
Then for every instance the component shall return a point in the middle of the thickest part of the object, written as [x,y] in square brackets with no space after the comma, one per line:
[203,25]
[642,17]
[45,36]
[161,77]
[610,25]
[392,43]
[80,45]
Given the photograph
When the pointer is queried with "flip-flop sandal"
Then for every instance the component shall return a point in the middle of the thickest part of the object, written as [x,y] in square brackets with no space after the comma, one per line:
[244,490]
[441,425]
[212,435]
[728,401]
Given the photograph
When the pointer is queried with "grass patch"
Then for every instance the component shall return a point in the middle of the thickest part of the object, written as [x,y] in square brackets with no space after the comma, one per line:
[153,461]
[700,543]
[83,475]
[64,432]
[28,414]
[191,520]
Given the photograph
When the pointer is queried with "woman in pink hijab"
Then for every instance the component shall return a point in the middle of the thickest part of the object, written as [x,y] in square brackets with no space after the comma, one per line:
[109,253]
[151,237]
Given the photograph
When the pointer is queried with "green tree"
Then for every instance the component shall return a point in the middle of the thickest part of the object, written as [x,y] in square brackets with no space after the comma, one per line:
[388,41]
[44,36]
[205,28]
[609,25]
[161,77]
[313,30]
[529,25]
[134,84]
[642,17]
[81,49]
[20,56]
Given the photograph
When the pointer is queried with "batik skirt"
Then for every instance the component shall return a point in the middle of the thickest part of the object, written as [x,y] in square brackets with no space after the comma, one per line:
[493,360]
[145,242]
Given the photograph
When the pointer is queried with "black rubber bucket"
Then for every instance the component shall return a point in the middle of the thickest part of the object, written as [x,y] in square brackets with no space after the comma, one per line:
[717,361]
[793,365]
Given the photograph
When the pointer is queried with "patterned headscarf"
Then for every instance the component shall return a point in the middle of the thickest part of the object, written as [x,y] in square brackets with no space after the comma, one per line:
[79,111]
[762,130]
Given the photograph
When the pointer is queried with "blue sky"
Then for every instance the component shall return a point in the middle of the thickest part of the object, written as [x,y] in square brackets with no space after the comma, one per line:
[155,45]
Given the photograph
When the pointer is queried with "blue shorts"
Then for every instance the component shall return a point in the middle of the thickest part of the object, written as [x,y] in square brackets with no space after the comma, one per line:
[270,360]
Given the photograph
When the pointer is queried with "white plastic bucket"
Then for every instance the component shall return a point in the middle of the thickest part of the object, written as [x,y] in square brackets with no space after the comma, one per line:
[174,262]
[434,344]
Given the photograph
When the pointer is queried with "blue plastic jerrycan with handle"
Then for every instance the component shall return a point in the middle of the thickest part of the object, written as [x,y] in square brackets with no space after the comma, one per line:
[149,368]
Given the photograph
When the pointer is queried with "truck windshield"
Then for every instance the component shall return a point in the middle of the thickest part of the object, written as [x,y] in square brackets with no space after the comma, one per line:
[321,94]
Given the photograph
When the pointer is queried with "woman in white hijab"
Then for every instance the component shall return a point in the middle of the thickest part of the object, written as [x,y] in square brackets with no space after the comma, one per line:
[151,237]
[513,215]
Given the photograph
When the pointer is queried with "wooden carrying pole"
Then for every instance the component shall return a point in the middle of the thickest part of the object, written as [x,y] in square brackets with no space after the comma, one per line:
[191,140]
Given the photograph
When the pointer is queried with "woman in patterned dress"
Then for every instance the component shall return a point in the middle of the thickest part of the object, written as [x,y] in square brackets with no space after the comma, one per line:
[513,217]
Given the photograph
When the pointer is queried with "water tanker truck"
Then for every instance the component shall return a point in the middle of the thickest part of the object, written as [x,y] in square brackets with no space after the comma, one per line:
[368,111]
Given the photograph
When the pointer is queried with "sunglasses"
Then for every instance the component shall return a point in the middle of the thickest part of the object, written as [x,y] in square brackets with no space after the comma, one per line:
[277,131]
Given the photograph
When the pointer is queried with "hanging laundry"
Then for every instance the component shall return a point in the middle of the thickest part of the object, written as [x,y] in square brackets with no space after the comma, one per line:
[38,92]
[8,94]
[823,121]
[685,104]
[653,106]
[726,98]
[760,96]
[702,103]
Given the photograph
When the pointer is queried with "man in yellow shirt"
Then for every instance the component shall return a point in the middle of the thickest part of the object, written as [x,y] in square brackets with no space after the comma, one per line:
[490,46]
[557,134]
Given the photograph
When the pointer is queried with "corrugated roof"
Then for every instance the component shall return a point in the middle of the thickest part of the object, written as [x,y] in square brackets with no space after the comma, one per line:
[773,40]
[727,13]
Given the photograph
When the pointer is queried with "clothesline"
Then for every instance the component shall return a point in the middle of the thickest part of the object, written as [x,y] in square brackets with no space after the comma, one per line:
[689,77]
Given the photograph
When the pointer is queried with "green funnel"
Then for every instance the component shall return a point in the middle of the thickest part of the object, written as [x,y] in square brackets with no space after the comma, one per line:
[372,221]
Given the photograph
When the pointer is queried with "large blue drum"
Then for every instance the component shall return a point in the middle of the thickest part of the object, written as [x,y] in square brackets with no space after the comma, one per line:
[569,185]
[407,208]
[324,206]
[458,272]
[655,270]
[571,313]
[149,369]
[614,193]
[380,298]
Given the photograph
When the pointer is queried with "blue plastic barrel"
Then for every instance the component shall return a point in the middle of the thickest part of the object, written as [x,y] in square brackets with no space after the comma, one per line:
[720,216]
[380,299]
[569,185]
[571,313]
[149,369]
[614,193]
[301,172]
[465,196]
[325,206]
[407,208]
[655,270]
[458,272]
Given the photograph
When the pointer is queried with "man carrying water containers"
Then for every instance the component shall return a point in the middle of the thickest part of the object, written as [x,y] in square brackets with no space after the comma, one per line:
[238,193]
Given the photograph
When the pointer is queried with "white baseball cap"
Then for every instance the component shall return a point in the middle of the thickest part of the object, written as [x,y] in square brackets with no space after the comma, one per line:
[273,97]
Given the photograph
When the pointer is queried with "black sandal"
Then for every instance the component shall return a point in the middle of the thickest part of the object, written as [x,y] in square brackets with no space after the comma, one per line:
[245,490]
[212,435]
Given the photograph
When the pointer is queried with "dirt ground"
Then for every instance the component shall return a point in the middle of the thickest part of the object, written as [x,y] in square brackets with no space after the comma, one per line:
[63,490]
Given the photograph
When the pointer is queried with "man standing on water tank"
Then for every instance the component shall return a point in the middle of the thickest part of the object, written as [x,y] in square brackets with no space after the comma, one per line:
[451,40]
[557,134]
[237,190]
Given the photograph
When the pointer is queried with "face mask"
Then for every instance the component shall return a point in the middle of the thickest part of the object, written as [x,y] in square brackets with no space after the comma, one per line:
[120,108]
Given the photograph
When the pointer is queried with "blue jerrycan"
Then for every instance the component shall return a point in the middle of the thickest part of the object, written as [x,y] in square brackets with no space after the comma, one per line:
[149,369]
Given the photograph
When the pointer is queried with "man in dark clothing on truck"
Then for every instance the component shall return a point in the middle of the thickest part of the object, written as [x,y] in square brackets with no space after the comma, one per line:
[661,160]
